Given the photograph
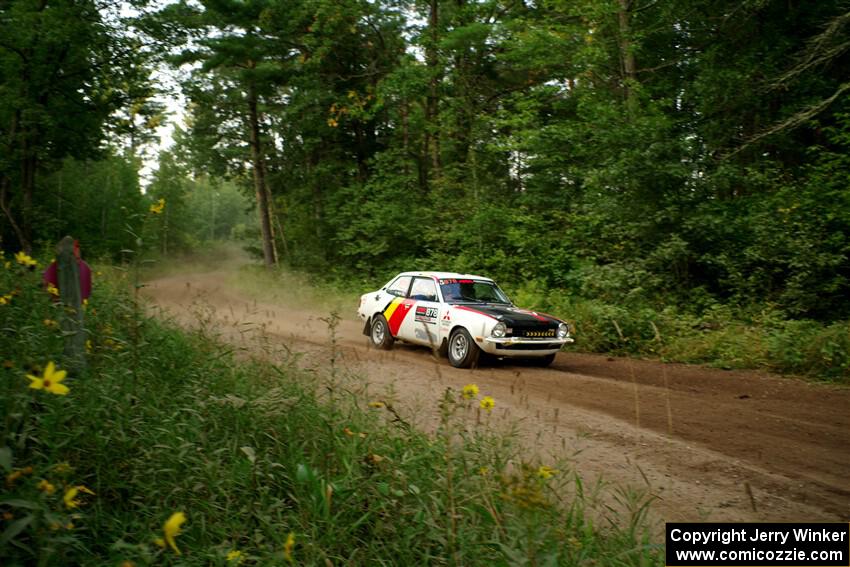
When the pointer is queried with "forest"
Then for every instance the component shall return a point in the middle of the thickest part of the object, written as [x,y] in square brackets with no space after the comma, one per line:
[671,177]
[650,168]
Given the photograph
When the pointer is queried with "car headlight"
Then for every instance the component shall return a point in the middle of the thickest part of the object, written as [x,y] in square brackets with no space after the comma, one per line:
[499,330]
[563,330]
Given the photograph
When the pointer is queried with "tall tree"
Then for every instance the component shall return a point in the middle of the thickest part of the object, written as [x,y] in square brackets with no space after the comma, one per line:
[65,66]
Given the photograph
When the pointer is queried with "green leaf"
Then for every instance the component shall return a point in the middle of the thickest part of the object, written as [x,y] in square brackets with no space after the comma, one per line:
[14,529]
[20,503]
[6,458]
[249,452]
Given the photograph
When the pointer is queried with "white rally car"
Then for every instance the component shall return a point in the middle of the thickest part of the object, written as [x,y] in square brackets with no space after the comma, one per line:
[460,315]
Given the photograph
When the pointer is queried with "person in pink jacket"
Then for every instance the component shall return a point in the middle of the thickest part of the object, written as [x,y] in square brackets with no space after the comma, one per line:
[51,275]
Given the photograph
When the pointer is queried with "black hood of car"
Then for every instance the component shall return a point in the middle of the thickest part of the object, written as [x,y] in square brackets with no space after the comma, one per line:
[513,316]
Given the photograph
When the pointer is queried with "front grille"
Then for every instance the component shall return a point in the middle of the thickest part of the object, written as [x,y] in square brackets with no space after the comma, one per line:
[529,346]
[536,332]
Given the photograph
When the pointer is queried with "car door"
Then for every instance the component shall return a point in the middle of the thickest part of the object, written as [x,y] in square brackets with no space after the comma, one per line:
[397,306]
[420,324]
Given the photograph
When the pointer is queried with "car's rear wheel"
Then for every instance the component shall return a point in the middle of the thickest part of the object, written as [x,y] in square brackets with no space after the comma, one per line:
[379,333]
[463,352]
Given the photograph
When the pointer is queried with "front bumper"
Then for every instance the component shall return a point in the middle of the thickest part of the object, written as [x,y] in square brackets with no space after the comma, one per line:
[518,346]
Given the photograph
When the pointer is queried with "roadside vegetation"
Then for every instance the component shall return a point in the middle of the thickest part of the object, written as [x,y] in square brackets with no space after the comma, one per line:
[172,449]
[721,336]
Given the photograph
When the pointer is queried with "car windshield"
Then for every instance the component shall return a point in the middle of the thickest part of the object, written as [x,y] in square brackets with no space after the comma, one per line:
[471,291]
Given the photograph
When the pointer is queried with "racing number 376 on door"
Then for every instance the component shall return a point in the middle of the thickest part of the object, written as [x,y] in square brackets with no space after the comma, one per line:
[461,316]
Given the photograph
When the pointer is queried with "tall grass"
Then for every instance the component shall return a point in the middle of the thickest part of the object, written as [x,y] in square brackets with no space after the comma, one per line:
[268,466]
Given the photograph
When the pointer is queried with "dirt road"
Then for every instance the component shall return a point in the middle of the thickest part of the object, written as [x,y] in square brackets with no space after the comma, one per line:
[709,445]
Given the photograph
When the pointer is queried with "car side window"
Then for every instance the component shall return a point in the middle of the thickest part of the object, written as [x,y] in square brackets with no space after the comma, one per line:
[423,289]
[399,287]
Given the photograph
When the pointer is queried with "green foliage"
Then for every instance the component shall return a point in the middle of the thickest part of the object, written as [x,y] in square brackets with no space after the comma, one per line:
[197,210]
[164,422]
[719,335]
[70,76]
[93,201]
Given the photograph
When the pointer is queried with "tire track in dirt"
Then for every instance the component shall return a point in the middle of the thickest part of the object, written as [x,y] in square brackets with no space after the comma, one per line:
[706,444]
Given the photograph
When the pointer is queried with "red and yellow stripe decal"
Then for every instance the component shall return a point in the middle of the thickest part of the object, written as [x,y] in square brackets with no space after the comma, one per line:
[395,313]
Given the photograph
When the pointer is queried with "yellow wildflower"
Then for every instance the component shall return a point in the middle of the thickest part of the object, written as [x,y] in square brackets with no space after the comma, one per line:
[51,381]
[15,475]
[63,468]
[470,391]
[351,433]
[3,300]
[376,404]
[50,324]
[171,529]
[46,487]
[484,471]
[288,546]
[158,207]
[88,346]
[332,123]
[545,472]
[488,403]
[235,556]
[24,260]
[52,290]
[70,497]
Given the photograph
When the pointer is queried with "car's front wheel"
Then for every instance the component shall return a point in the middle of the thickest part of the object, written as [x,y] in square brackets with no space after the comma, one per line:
[380,333]
[463,353]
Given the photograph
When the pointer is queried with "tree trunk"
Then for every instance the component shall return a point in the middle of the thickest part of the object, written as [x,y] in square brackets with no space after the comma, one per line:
[432,103]
[7,210]
[627,56]
[260,187]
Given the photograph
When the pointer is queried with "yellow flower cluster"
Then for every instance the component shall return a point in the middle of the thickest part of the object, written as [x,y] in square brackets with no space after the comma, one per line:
[545,472]
[6,299]
[13,476]
[158,207]
[488,403]
[351,433]
[71,494]
[23,259]
[289,546]
[52,290]
[471,391]
[170,530]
